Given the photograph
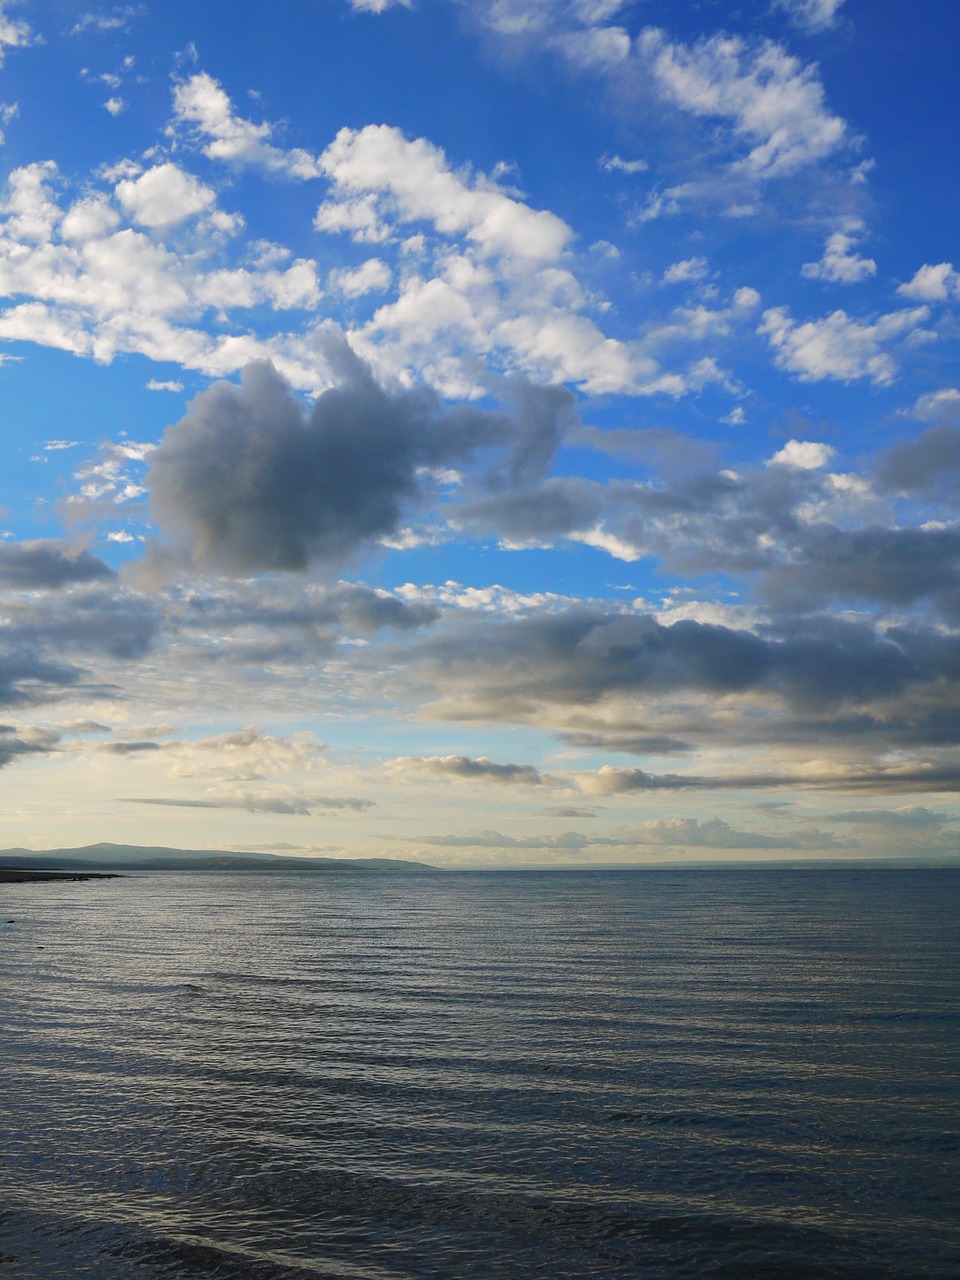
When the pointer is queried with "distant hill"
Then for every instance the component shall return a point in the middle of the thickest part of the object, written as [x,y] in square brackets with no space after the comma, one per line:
[131,857]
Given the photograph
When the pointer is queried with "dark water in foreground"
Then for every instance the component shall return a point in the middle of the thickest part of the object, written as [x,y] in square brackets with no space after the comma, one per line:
[737,1074]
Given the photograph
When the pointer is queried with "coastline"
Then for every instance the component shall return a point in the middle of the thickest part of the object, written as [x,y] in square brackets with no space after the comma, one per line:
[24,875]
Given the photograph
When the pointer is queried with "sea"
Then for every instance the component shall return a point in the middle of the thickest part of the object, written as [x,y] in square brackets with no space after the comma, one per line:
[739,1073]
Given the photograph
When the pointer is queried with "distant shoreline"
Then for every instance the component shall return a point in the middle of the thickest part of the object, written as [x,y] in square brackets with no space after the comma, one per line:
[24,875]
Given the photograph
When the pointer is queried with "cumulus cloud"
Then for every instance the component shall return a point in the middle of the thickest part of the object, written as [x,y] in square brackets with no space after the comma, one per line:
[243,755]
[938,406]
[937,283]
[805,455]
[372,276]
[928,466]
[838,346]
[418,185]
[247,481]
[586,656]
[18,741]
[774,104]
[27,678]
[46,564]
[841,263]
[86,618]
[164,195]
[463,768]
[14,34]
[201,102]
[96,288]
[687,270]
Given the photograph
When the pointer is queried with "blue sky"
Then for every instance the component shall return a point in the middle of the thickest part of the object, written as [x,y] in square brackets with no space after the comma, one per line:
[499,433]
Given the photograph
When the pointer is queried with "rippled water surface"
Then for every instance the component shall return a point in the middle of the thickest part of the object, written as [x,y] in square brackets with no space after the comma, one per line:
[736,1074]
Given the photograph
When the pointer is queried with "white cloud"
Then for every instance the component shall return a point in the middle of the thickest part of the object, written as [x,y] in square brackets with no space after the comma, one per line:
[115,20]
[616,164]
[116,106]
[594,48]
[803,455]
[358,218]
[377,6]
[8,112]
[686,270]
[841,263]
[774,103]
[95,288]
[372,276]
[484,282]
[89,219]
[417,184]
[155,385]
[839,347]
[31,212]
[13,34]
[227,289]
[202,102]
[243,755]
[933,283]
[164,195]
[938,406]
[812,15]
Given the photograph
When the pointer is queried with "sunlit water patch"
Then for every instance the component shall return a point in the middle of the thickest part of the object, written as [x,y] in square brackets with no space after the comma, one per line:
[736,1074]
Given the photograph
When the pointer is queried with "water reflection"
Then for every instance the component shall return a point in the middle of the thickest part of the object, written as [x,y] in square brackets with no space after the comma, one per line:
[668,1074]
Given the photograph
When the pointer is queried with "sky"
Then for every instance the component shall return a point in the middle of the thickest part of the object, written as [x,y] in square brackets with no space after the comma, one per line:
[490,432]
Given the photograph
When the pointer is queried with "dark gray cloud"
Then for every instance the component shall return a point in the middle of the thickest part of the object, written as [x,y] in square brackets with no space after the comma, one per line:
[584,654]
[541,417]
[554,509]
[89,620]
[26,677]
[247,481]
[322,611]
[928,466]
[879,565]
[17,741]
[45,564]
[463,767]
[770,525]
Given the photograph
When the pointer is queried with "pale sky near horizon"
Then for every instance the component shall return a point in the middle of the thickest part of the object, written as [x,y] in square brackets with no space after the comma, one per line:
[493,432]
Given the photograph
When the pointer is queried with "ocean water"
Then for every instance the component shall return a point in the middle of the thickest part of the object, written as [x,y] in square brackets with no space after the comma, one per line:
[679,1073]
